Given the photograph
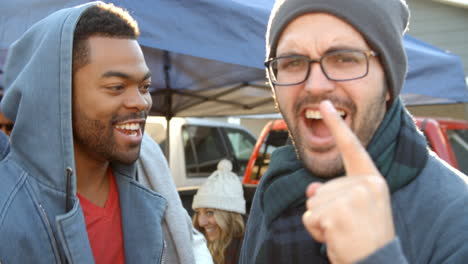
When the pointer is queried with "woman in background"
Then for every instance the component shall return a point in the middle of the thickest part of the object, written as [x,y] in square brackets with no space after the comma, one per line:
[219,208]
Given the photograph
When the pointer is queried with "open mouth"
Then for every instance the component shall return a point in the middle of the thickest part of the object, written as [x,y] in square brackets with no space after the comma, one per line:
[315,114]
[210,230]
[130,129]
[314,121]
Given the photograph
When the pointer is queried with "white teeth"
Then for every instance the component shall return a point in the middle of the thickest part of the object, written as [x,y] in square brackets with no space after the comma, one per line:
[314,114]
[129,126]
[208,230]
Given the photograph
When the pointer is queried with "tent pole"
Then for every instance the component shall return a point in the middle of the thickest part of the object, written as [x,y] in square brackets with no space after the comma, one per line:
[168,104]
[168,143]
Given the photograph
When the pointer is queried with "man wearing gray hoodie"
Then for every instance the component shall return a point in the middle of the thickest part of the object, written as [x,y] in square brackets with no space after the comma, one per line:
[77,88]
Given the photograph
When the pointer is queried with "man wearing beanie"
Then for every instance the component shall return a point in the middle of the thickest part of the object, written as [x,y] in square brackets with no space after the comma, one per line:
[359,184]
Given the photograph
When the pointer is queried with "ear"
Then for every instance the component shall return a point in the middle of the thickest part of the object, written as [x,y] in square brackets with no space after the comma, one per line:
[387,96]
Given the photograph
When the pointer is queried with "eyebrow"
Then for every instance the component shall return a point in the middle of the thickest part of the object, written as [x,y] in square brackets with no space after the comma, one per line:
[328,50]
[343,47]
[124,75]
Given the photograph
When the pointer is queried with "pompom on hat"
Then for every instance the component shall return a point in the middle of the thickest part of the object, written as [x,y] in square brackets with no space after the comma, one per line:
[222,190]
[382,23]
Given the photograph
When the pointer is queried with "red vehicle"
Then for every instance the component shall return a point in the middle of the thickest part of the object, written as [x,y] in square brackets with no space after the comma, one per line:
[448,138]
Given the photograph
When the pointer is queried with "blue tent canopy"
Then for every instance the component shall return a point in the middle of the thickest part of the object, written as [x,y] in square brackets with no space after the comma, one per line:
[207,56]
[434,76]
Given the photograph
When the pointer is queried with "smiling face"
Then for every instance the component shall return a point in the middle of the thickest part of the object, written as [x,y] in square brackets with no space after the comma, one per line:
[361,101]
[111,100]
[207,223]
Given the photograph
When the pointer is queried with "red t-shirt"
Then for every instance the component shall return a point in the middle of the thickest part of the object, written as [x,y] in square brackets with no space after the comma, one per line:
[104,226]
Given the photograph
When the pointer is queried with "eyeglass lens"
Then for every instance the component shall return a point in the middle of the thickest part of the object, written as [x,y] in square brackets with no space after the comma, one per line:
[338,66]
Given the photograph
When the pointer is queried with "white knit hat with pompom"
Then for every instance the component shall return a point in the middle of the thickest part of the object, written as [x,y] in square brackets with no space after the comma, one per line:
[222,190]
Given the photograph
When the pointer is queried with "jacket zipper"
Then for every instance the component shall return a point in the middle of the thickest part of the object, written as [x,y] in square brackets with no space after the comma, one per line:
[54,240]
[68,193]
[68,203]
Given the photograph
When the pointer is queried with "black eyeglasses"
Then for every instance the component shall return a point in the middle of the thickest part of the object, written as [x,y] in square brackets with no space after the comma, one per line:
[339,65]
[6,127]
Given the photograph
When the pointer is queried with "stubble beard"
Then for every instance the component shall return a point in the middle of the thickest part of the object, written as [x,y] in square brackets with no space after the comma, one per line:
[97,137]
[370,119]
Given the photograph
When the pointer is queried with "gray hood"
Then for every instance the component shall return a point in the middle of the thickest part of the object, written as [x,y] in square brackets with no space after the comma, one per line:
[38,82]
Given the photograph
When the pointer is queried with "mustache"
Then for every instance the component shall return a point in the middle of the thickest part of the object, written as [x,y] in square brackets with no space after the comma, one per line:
[122,118]
[336,101]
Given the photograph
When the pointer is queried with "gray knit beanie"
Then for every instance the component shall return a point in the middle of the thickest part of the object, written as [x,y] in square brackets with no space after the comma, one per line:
[222,190]
[381,22]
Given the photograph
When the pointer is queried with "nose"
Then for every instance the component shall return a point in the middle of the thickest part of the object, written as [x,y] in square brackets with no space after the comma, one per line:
[202,221]
[138,100]
[317,82]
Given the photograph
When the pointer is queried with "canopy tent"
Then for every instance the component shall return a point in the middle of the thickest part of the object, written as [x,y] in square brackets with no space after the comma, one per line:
[206,56]
[434,76]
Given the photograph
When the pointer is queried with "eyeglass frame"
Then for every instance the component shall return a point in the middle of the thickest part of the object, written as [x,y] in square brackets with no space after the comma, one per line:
[367,53]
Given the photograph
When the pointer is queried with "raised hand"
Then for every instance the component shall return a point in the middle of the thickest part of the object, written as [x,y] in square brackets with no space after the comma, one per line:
[351,214]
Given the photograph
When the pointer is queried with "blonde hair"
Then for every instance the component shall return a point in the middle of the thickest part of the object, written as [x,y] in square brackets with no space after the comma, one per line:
[231,227]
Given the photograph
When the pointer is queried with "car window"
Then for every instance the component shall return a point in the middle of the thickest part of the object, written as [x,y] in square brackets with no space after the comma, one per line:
[204,148]
[459,141]
[242,144]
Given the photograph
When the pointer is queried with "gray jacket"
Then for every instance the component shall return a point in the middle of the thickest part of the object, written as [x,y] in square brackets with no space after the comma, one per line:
[41,220]
[430,216]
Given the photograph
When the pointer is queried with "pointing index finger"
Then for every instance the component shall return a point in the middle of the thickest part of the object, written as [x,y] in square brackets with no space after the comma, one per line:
[355,158]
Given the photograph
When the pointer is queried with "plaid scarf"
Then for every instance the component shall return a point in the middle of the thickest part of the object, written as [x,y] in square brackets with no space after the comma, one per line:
[397,148]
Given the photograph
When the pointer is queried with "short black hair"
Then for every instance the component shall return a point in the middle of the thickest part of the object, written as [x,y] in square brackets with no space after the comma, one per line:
[106,20]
